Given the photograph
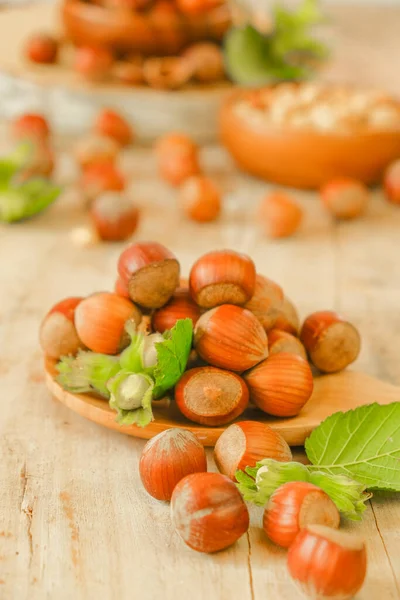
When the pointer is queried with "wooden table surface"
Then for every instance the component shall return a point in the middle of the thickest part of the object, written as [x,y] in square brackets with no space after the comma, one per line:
[75,521]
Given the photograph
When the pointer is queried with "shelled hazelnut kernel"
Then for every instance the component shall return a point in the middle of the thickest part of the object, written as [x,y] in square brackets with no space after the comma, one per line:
[280,385]
[167,72]
[207,62]
[222,277]
[41,48]
[288,318]
[345,198]
[180,306]
[208,512]
[391,182]
[92,149]
[151,273]
[100,322]
[169,457]
[331,342]
[200,199]
[282,341]
[177,157]
[230,337]
[111,124]
[211,396]
[93,62]
[243,444]
[280,216]
[295,505]
[101,177]
[267,301]
[128,72]
[58,336]
[326,563]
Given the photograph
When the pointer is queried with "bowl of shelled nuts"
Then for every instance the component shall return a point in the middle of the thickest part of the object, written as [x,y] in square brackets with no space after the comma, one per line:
[306,134]
[161,352]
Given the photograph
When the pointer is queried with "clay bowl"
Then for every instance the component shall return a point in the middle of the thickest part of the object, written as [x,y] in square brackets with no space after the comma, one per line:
[305,158]
[144,32]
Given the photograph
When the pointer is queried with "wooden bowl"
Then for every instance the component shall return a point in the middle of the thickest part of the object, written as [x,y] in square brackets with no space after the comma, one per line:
[143,32]
[305,158]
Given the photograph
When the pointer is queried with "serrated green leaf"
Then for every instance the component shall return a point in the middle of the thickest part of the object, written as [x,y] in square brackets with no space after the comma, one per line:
[173,355]
[363,444]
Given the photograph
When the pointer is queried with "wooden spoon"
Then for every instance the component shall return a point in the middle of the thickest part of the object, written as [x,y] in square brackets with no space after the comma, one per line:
[332,393]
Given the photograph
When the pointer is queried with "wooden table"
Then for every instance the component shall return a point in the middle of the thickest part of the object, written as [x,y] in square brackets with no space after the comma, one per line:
[75,521]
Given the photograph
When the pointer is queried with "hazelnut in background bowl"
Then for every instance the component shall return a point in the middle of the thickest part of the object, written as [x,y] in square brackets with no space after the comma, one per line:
[303,135]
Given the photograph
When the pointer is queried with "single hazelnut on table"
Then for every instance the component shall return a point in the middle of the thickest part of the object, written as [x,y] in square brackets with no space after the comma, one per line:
[211,396]
[208,512]
[166,73]
[93,62]
[288,318]
[169,457]
[200,199]
[111,124]
[58,336]
[30,126]
[178,158]
[280,385]
[114,216]
[345,198]
[295,505]
[151,272]
[207,62]
[180,306]
[128,72]
[266,302]
[391,182]
[41,48]
[326,563]
[230,337]
[243,444]
[331,342]
[101,177]
[100,322]
[282,341]
[280,216]
[121,288]
[92,149]
[222,277]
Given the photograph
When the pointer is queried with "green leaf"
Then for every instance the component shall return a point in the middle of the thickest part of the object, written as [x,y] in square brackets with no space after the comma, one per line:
[142,415]
[247,57]
[87,372]
[363,444]
[23,201]
[173,355]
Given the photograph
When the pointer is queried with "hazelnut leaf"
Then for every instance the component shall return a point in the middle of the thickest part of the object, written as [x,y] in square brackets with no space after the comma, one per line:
[173,354]
[363,444]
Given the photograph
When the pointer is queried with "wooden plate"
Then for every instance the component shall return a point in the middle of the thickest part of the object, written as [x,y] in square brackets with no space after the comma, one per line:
[332,393]
[72,103]
[147,33]
[306,158]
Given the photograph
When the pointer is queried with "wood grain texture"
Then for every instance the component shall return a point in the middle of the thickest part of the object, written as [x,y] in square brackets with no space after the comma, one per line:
[332,393]
[75,521]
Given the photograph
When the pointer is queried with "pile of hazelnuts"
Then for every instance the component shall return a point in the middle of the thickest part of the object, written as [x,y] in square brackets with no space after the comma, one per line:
[200,62]
[248,346]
